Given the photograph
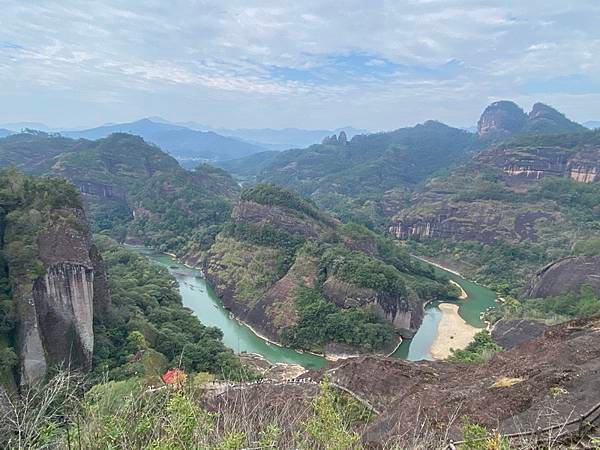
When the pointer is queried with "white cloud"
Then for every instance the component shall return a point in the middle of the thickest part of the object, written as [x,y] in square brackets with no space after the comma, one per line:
[215,59]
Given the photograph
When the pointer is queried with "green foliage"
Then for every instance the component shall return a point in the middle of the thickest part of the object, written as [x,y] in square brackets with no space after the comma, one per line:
[502,266]
[569,305]
[320,322]
[8,359]
[269,194]
[147,313]
[363,271]
[127,414]
[588,247]
[175,210]
[477,437]
[481,349]
[327,428]
[352,179]
[570,141]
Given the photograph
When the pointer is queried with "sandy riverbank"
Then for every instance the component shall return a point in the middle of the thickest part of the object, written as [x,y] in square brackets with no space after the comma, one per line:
[428,261]
[452,332]
[463,293]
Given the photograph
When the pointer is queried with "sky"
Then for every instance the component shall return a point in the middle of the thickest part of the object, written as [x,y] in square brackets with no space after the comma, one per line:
[377,64]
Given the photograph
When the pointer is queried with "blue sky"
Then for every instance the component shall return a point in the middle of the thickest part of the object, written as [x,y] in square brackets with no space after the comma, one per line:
[378,64]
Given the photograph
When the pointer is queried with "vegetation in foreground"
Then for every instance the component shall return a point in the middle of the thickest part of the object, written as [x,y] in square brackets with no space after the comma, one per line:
[479,350]
[130,414]
[181,414]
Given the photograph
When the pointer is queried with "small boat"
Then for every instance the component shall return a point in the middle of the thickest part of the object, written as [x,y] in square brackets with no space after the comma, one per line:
[300,351]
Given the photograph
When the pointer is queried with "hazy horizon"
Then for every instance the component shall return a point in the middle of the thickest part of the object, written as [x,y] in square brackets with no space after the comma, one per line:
[376,66]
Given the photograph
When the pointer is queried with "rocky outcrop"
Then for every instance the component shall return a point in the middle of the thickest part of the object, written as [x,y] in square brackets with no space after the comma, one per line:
[404,312]
[505,118]
[510,333]
[56,307]
[547,381]
[501,118]
[470,221]
[100,190]
[530,164]
[277,243]
[545,119]
[340,139]
[566,275]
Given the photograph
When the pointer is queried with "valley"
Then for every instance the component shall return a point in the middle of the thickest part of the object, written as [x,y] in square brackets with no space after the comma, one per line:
[299,225]
[312,261]
[201,298]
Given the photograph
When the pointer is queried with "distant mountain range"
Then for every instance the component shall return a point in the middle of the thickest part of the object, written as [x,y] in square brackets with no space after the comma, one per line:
[270,138]
[191,142]
[183,143]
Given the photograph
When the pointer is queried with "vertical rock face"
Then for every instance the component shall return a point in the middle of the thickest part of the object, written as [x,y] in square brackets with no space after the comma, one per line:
[64,305]
[56,309]
[404,312]
[30,346]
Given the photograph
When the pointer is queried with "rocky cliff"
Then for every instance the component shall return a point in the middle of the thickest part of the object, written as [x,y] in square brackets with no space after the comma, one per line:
[270,249]
[545,382]
[566,275]
[493,196]
[501,118]
[521,164]
[56,278]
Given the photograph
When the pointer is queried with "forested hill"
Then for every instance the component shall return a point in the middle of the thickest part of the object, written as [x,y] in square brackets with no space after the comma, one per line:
[132,190]
[370,163]
[358,179]
[368,178]
[301,277]
[514,208]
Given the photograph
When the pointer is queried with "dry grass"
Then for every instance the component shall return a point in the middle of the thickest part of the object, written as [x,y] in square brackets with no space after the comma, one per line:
[506,382]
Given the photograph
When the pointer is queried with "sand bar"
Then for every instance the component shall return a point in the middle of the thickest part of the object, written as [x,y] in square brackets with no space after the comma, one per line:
[452,332]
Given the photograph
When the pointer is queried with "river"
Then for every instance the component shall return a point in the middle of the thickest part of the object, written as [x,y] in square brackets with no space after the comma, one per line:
[479,299]
[197,295]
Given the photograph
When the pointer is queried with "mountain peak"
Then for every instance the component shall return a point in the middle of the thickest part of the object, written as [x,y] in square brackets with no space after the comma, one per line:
[504,118]
[545,119]
[501,117]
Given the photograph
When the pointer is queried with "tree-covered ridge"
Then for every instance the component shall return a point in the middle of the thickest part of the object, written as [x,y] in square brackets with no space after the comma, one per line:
[371,163]
[147,329]
[132,188]
[280,249]
[362,270]
[513,209]
[350,176]
[269,194]
[565,141]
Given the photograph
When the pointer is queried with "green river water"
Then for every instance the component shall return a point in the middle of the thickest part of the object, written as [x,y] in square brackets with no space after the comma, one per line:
[202,300]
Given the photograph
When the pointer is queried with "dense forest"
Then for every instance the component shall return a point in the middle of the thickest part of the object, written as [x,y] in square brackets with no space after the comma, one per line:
[148,330]
[134,191]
